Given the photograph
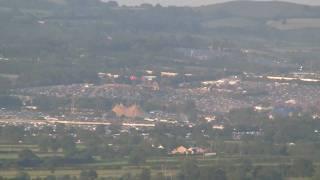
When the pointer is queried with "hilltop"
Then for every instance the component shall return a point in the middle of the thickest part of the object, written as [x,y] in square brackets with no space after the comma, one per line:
[49,42]
[267,9]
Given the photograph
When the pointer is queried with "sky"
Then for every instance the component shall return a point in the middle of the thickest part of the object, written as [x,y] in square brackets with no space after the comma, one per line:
[200,2]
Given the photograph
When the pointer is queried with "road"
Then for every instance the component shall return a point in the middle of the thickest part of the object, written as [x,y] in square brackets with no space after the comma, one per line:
[70,122]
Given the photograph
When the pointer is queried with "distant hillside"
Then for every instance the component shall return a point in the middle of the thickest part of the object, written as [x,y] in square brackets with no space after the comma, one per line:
[252,9]
[196,3]
[30,4]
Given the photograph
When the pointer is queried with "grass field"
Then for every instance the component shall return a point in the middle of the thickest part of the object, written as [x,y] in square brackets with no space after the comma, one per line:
[125,168]
[230,22]
[10,152]
[121,166]
[74,172]
[292,24]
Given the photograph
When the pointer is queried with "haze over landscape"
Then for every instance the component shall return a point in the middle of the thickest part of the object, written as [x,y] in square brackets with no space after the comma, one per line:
[95,90]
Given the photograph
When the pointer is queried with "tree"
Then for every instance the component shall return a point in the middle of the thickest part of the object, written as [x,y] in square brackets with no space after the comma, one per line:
[22,176]
[5,84]
[88,175]
[68,145]
[101,130]
[246,165]
[10,102]
[12,134]
[78,157]
[137,157]
[268,174]
[302,168]
[145,174]
[43,143]
[208,173]
[189,170]
[244,171]
[28,158]
[219,174]
[54,145]
[189,108]
[159,176]
[51,177]
[126,176]
[65,177]
[316,175]
[112,4]
[53,162]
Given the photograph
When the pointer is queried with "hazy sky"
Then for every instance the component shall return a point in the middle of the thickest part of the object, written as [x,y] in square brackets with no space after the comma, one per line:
[200,2]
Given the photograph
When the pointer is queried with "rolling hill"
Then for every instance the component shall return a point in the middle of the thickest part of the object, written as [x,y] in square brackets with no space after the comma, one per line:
[253,9]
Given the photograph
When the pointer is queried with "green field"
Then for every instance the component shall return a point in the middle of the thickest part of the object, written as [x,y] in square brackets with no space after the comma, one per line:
[296,23]
[230,23]
[168,165]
